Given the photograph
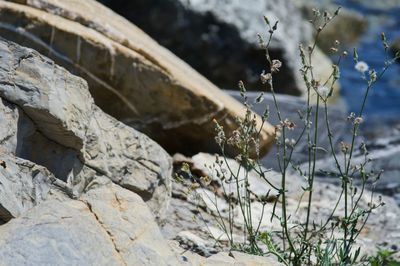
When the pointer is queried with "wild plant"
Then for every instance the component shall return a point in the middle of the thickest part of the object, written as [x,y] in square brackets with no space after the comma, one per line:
[308,241]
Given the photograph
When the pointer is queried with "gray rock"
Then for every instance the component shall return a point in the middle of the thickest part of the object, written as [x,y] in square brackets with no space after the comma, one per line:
[51,118]
[57,233]
[130,76]
[381,222]
[192,242]
[226,35]
[129,224]
[23,185]
[240,258]
[109,225]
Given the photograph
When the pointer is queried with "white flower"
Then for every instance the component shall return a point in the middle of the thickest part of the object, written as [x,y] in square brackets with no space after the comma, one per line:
[323,92]
[361,66]
[358,120]
[290,142]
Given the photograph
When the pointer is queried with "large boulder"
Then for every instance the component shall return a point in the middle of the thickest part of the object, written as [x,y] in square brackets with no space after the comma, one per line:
[49,118]
[108,226]
[226,37]
[130,76]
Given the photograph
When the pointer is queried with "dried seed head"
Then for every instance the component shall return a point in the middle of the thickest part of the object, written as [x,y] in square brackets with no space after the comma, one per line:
[276,65]
[265,77]
[323,92]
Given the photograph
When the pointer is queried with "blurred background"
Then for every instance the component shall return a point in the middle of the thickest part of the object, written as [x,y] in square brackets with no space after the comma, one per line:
[219,39]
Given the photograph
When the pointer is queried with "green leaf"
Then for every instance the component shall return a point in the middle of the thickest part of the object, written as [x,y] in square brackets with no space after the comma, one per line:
[266,20]
[260,98]
[355,54]
[275,26]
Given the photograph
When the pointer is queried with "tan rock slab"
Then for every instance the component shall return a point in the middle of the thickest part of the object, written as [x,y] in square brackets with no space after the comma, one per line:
[130,76]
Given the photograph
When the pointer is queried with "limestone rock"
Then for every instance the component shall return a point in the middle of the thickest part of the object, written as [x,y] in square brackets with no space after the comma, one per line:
[23,185]
[130,224]
[258,187]
[52,121]
[194,243]
[109,225]
[226,36]
[130,76]
[57,233]
[326,191]
[239,258]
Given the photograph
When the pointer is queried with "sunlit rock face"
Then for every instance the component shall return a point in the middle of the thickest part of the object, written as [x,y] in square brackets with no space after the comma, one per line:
[225,33]
[51,120]
[130,75]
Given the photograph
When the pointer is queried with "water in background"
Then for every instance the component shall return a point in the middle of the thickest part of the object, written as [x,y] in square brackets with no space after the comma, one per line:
[383,106]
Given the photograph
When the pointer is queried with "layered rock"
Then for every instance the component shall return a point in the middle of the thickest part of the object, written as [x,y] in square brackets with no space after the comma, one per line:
[24,185]
[226,36]
[130,76]
[108,226]
[51,119]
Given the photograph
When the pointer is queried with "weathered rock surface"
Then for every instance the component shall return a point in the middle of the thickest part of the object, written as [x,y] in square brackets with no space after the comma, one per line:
[130,76]
[109,225]
[23,185]
[57,233]
[228,38]
[51,120]
[239,258]
[129,224]
[223,258]
[381,222]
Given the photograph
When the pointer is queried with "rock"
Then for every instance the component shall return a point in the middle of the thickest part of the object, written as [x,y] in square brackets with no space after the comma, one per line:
[326,192]
[108,226]
[192,242]
[347,28]
[57,233]
[186,257]
[223,258]
[203,161]
[23,185]
[51,118]
[130,76]
[239,258]
[228,38]
[129,224]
